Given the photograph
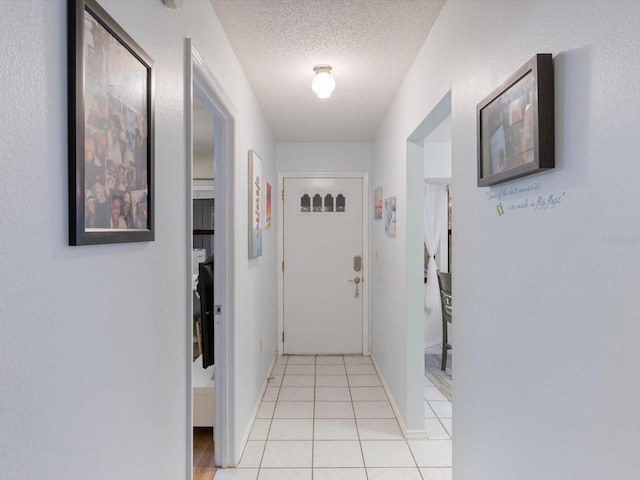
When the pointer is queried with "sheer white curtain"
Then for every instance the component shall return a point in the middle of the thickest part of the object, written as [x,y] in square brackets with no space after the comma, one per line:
[435,221]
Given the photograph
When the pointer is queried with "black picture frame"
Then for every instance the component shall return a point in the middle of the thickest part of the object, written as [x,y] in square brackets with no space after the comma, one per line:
[111,130]
[516,125]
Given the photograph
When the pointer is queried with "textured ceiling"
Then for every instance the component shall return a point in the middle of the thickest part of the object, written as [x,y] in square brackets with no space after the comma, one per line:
[370,44]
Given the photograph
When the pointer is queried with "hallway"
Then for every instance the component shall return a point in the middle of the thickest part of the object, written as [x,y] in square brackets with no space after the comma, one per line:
[328,418]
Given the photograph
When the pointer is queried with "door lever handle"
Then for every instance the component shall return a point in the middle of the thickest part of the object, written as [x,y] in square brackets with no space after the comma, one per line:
[356,280]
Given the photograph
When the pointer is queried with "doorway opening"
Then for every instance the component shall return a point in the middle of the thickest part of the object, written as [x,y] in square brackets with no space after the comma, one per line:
[203,224]
[429,151]
[210,153]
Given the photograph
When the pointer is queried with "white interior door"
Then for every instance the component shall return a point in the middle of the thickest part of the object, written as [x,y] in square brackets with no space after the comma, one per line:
[322,279]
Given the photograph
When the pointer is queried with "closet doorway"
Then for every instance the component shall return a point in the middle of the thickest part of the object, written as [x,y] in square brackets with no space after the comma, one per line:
[210,121]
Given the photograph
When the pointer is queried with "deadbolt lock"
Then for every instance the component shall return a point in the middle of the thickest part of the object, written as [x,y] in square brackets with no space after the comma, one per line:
[357,263]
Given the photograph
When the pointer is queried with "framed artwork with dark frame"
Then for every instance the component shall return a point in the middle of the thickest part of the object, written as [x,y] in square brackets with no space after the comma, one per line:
[111,130]
[516,125]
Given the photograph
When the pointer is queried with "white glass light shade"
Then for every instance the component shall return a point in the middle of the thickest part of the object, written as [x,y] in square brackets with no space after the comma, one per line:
[323,83]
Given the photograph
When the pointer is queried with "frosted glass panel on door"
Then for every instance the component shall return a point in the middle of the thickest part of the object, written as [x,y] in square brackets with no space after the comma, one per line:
[322,202]
[305,203]
[317,203]
[328,203]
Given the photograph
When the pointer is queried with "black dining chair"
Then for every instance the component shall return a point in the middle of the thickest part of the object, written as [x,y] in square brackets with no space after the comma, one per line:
[444,282]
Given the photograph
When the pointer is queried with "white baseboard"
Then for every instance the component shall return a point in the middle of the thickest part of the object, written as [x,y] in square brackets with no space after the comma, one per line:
[254,414]
[415,434]
[408,434]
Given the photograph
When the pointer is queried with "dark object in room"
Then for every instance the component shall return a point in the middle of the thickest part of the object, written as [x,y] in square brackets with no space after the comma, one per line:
[205,290]
[444,281]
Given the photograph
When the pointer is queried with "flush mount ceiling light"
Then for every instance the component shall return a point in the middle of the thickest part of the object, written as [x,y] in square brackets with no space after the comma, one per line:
[323,83]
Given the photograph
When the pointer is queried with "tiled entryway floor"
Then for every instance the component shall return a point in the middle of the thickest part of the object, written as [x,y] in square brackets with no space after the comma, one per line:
[328,418]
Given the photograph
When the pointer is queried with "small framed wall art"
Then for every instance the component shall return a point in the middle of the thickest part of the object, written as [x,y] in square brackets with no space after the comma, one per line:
[267,221]
[111,130]
[516,125]
[377,204]
[256,214]
[390,217]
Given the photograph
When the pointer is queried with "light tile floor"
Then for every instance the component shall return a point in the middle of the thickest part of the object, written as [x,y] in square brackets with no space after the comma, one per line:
[329,418]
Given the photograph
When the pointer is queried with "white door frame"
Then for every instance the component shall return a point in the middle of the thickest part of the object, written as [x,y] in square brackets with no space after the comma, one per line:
[224,114]
[366,275]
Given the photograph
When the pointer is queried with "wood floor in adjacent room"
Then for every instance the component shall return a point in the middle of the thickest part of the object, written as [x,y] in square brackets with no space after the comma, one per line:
[203,449]
[441,379]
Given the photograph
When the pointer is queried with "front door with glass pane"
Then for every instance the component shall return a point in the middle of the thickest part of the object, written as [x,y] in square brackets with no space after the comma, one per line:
[323,265]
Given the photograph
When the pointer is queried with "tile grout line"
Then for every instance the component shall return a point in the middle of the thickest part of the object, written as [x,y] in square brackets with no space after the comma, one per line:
[271,420]
[428,402]
[355,420]
[438,416]
[406,442]
[413,457]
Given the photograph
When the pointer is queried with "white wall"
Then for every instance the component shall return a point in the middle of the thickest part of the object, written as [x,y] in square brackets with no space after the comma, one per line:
[93,347]
[323,157]
[437,160]
[390,330]
[203,166]
[546,302]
